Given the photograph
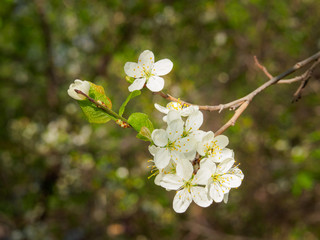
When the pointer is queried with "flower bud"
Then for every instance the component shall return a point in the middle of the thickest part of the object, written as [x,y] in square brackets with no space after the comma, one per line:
[83,86]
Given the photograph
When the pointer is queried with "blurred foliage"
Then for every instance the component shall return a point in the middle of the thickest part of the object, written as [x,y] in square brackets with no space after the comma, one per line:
[62,178]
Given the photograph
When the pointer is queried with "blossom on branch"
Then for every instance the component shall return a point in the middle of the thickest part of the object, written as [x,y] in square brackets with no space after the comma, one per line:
[223,178]
[185,160]
[83,86]
[148,72]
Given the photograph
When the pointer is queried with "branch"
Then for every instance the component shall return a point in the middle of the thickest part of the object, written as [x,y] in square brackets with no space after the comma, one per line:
[236,103]
[305,80]
[242,103]
[234,118]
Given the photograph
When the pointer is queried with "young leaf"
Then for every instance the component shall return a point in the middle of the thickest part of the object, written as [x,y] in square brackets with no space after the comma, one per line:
[124,104]
[140,120]
[91,111]
[129,79]
[144,134]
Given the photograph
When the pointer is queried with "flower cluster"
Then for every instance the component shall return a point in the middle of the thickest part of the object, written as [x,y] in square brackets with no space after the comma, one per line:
[193,162]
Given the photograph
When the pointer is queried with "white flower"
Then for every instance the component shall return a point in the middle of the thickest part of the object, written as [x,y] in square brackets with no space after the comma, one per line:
[222,179]
[146,71]
[187,186]
[170,144]
[83,86]
[214,147]
[182,109]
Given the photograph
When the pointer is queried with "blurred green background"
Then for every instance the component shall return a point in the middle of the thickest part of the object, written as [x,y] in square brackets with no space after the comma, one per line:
[62,178]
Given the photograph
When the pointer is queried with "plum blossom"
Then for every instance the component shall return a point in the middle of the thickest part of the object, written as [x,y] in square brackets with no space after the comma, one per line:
[147,71]
[83,86]
[188,186]
[170,144]
[222,178]
[214,147]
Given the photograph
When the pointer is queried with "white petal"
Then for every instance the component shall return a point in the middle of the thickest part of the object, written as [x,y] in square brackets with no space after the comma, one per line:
[224,154]
[161,109]
[207,163]
[137,84]
[162,158]
[197,135]
[158,178]
[236,171]
[132,70]
[216,192]
[208,137]
[189,110]
[226,197]
[159,137]
[171,182]
[190,155]
[181,201]
[163,67]
[230,180]
[153,149]
[173,115]
[176,156]
[222,141]
[200,196]
[225,166]
[174,129]
[202,146]
[155,83]
[184,169]
[186,144]
[194,121]
[146,60]
[202,176]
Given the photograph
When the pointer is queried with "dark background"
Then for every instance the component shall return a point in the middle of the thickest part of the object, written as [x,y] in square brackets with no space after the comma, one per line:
[62,178]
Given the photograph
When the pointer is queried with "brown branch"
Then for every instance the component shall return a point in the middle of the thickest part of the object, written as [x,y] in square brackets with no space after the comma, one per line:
[236,103]
[304,78]
[263,68]
[307,75]
[234,118]
[243,102]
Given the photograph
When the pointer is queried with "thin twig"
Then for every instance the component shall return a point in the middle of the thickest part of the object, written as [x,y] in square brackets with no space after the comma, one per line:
[234,118]
[297,95]
[263,68]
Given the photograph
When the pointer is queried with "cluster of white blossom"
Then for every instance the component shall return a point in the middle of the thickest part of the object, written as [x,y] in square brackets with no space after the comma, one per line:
[193,162]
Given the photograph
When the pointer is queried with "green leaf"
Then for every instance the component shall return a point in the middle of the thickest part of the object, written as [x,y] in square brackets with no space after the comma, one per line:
[124,104]
[141,123]
[91,111]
